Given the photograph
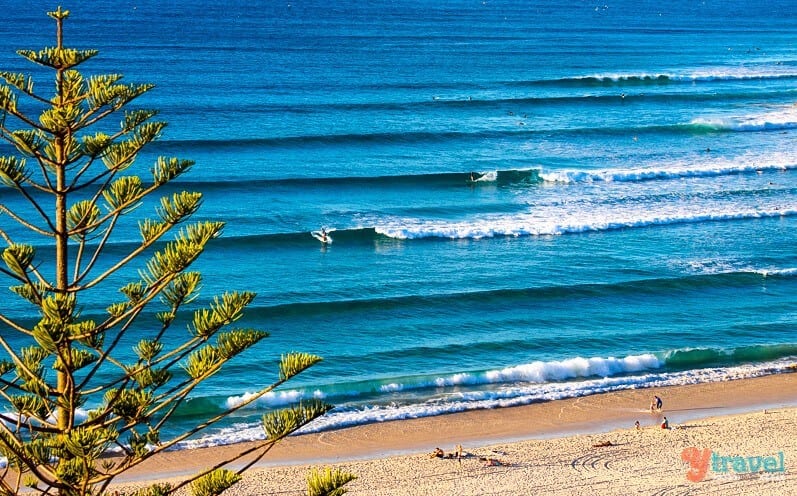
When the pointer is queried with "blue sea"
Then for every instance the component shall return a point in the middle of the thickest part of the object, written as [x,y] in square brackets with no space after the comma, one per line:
[528,200]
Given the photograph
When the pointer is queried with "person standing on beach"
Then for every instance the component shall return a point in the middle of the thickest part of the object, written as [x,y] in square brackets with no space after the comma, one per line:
[655,404]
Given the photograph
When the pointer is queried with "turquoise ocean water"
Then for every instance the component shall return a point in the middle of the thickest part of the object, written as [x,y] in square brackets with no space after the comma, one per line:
[631,221]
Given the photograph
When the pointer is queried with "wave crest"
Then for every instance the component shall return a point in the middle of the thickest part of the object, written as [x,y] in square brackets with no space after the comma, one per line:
[698,75]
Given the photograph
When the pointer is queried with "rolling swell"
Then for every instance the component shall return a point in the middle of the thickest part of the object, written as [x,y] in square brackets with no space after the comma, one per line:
[464,303]
[366,402]
[348,236]
[660,79]
[540,372]
[532,381]
[409,137]
[467,302]
[509,228]
[785,71]
[414,181]
[686,359]
[463,103]
[526,175]
[524,226]
[651,174]
[330,140]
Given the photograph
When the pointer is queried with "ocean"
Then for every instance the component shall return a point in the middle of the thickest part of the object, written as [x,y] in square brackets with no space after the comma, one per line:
[527,200]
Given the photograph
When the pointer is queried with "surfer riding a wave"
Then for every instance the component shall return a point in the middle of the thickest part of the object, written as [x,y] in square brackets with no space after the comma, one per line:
[323,235]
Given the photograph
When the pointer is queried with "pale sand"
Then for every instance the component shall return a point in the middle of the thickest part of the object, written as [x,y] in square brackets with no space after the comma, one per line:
[392,458]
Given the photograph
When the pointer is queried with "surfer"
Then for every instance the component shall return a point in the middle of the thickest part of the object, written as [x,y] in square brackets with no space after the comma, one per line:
[322,235]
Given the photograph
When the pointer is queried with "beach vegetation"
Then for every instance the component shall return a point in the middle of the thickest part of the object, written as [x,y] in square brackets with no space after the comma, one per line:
[88,385]
[328,482]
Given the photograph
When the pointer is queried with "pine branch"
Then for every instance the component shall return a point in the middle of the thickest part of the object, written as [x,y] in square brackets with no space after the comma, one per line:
[129,316]
[13,325]
[75,186]
[265,446]
[23,222]
[120,207]
[42,472]
[143,394]
[17,115]
[31,269]
[178,254]
[174,441]
[23,83]
[78,277]
[121,263]
[78,260]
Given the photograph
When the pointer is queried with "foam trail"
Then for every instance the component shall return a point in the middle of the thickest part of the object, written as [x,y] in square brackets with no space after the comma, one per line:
[534,372]
[488,177]
[514,394]
[711,169]
[532,224]
[704,75]
[779,119]
[273,399]
[778,272]
[575,367]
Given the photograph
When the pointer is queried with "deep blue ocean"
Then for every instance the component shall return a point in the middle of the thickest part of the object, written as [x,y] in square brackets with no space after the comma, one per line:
[528,200]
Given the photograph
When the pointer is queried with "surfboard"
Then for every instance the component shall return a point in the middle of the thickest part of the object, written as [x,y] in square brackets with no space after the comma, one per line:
[320,237]
[474,177]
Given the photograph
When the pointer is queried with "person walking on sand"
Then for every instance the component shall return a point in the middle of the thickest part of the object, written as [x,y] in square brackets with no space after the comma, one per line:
[655,404]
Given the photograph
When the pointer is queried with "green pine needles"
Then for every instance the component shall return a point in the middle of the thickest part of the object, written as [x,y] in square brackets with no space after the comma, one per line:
[68,168]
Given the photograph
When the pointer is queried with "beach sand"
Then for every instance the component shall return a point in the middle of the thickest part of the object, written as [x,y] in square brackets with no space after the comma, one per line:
[585,445]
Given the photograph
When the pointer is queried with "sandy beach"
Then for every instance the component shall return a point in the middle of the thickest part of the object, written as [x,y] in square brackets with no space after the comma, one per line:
[735,437]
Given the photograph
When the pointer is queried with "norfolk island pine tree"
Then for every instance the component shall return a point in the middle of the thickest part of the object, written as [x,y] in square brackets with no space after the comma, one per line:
[73,173]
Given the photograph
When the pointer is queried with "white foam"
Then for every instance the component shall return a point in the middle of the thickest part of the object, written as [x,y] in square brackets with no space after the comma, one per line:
[537,371]
[81,415]
[582,213]
[512,394]
[574,367]
[735,73]
[273,398]
[741,165]
[462,379]
[487,177]
[714,266]
[777,272]
[533,224]
[784,117]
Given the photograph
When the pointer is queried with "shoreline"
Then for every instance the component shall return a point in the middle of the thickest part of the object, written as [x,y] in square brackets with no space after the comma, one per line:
[557,422]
